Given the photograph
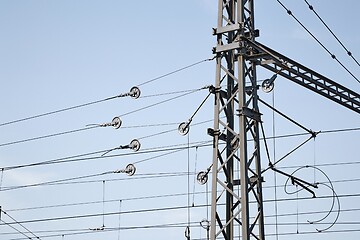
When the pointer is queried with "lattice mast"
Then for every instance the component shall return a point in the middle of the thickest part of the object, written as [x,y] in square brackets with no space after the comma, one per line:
[236,172]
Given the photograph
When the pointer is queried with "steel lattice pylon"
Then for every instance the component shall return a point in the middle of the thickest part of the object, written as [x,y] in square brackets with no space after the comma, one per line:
[236,167]
[236,172]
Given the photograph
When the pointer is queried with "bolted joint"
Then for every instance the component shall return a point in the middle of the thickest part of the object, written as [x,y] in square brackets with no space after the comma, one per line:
[250,113]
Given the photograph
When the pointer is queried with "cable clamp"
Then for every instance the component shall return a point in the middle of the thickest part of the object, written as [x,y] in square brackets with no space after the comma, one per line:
[129,170]
[134,93]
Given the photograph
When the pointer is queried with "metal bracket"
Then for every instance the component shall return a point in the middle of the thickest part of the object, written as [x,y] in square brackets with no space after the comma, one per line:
[250,113]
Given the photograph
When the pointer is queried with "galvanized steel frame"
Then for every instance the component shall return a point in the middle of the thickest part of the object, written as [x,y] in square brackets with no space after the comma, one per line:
[231,192]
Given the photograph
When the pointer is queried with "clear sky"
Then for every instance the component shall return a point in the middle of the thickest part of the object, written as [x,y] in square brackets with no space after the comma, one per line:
[61,54]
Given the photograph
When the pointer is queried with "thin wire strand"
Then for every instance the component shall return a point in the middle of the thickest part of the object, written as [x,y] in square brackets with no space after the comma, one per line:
[79,157]
[274,157]
[175,71]
[332,33]
[120,201]
[188,187]
[103,217]
[20,224]
[102,100]
[97,125]
[1,178]
[161,102]
[17,230]
[56,111]
[55,181]
[318,41]
[47,136]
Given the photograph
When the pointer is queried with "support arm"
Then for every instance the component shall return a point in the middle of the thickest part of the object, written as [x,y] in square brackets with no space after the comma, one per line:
[304,76]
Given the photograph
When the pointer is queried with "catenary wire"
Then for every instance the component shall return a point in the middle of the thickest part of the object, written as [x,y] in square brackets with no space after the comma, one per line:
[199,144]
[332,33]
[20,224]
[176,71]
[151,150]
[97,126]
[102,100]
[73,232]
[170,208]
[32,208]
[289,12]
[14,228]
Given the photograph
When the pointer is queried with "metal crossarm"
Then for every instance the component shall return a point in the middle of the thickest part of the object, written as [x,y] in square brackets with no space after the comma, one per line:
[305,77]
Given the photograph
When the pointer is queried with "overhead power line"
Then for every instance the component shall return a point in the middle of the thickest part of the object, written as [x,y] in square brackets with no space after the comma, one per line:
[80,157]
[102,100]
[332,33]
[92,126]
[165,209]
[318,41]
[176,71]
[20,224]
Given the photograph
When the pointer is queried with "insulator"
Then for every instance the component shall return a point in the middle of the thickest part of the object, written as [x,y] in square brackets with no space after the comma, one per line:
[130,169]
[205,224]
[184,128]
[202,177]
[267,85]
[116,122]
[135,145]
[135,92]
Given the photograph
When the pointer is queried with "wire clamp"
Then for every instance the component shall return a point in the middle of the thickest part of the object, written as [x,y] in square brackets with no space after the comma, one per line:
[115,123]
[134,145]
[129,170]
[134,93]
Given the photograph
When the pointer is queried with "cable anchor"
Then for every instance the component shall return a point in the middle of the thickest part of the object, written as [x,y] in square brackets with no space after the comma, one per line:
[97,229]
[130,170]
[115,123]
[134,93]
[133,145]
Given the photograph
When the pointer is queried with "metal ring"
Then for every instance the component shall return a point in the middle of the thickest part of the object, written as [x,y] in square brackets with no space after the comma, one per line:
[130,169]
[202,177]
[205,224]
[183,128]
[135,92]
[135,145]
[116,122]
[267,85]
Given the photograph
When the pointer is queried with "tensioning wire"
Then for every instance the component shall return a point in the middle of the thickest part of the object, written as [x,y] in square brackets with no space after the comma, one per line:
[102,100]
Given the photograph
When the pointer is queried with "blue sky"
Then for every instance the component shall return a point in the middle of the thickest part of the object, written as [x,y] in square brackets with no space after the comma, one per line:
[59,54]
